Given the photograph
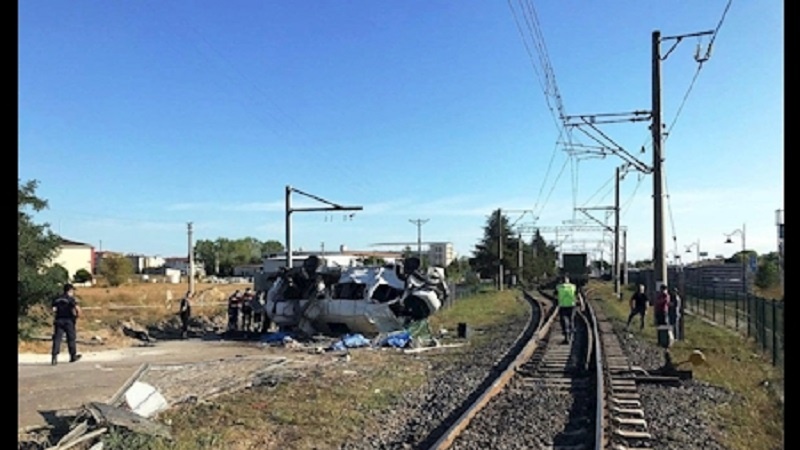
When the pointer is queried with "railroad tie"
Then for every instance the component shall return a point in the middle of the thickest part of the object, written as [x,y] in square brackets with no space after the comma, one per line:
[634,422]
[628,411]
[625,401]
[626,395]
[622,447]
[633,434]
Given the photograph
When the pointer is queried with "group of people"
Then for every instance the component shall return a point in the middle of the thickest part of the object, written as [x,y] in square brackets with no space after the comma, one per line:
[666,308]
[246,312]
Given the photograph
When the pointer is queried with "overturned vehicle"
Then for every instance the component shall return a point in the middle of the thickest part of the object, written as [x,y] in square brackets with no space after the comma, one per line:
[370,300]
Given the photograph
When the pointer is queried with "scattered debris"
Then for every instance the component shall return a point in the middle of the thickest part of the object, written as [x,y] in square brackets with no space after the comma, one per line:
[133,330]
[350,341]
[436,347]
[400,339]
[144,399]
[104,414]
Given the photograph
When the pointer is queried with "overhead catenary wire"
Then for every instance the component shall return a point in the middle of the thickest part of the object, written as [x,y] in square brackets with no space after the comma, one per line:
[546,78]
[700,62]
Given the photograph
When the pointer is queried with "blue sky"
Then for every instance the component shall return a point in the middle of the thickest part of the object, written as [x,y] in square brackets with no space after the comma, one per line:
[138,117]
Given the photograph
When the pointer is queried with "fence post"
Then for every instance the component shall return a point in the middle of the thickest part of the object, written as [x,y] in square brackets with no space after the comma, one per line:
[724,308]
[774,336]
[705,302]
[763,324]
[747,311]
[714,307]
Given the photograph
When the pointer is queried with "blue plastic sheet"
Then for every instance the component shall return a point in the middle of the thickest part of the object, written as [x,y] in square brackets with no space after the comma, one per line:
[350,341]
[277,336]
[397,340]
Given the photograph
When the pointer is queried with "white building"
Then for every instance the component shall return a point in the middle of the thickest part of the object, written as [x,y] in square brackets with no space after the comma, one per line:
[145,264]
[247,270]
[74,256]
[441,253]
[182,264]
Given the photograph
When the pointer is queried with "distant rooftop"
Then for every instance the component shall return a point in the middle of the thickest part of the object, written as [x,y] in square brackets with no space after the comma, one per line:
[65,242]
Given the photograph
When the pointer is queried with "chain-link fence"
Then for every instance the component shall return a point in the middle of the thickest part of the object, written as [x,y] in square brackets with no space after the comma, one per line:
[758,318]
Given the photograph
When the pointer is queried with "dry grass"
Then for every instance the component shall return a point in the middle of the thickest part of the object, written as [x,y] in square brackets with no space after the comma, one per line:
[755,422]
[774,292]
[105,308]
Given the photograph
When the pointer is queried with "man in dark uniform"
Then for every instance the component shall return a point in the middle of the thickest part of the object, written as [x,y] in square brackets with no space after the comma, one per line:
[185,313]
[66,311]
[639,302]
[247,310]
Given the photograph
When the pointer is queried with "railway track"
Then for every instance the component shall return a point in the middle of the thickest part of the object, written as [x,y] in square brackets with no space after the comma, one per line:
[556,395]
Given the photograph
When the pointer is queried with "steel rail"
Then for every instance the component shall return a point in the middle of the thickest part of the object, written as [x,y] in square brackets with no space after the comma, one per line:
[449,436]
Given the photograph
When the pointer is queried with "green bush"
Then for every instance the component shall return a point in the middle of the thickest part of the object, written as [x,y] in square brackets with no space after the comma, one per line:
[82,276]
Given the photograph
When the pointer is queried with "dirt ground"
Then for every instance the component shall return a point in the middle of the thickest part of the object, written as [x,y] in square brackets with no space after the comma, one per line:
[182,369]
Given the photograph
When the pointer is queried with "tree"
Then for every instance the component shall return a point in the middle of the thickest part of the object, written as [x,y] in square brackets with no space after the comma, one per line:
[768,274]
[540,261]
[82,276]
[272,247]
[116,269]
[223,254]
[374,261]
[486,259]
[38,281]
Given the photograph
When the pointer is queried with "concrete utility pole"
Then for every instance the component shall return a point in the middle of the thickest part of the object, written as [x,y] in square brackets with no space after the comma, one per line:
[659,264]
[519,258]
[616,268]
[779,224]
[191,259]
[500,249]
[625,256]
[419,223]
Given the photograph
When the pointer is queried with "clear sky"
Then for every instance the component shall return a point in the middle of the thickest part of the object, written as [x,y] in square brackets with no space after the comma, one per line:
[138,117]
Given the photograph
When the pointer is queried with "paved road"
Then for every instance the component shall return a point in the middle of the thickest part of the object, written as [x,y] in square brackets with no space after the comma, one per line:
[43,388]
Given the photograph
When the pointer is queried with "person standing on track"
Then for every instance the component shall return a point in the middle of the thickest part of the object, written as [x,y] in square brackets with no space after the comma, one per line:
[639,302]
[66,311]
[568,296]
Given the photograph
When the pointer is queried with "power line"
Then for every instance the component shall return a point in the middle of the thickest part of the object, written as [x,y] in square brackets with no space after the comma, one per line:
[564,166]
[633,195]
[700,62]
[669,206]
[609,188]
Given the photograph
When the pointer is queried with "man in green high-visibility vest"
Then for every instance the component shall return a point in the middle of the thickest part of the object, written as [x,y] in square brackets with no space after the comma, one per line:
[568,297]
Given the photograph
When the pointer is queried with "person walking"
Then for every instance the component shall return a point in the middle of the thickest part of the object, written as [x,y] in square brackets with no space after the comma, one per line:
[66,312]
[639,302]
[661,305]
[185,312]
[568,296]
